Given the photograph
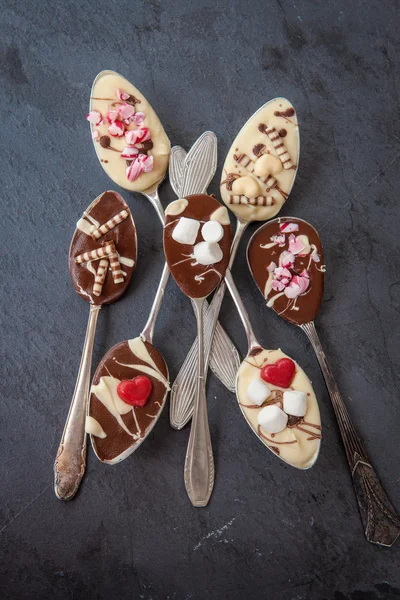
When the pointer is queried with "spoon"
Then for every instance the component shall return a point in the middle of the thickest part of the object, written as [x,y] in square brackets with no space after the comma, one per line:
[134,152]
[197,238]
[108,219]
[286,260]
[258,175]
[299,440]
[128,391]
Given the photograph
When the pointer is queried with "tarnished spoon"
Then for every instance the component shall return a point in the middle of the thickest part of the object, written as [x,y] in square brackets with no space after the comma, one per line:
[108,219]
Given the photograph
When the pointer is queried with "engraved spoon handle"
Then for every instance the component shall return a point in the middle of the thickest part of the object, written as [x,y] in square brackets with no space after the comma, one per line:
[380,520]
[199,463]
[184,387]
[70,463]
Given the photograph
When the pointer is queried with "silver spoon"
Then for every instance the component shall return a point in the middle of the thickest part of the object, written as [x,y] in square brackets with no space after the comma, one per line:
[380,520]
[183,399]
[70,463]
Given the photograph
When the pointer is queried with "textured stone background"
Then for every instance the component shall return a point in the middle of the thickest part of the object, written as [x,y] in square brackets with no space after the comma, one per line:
[269,531]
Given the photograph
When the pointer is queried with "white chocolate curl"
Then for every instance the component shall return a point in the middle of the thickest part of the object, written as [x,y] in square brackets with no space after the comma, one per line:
[259,201]
[279,147]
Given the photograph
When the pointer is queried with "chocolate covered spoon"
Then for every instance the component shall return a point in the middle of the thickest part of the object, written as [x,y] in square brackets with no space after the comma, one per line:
[102,259]
[286,260]
[197,239]
[268,381]
[128,392]
[133,149]
[258,175]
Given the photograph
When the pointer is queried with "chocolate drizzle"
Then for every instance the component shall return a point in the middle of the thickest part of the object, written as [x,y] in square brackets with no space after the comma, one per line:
[282,133]
[258,150]
[289,112]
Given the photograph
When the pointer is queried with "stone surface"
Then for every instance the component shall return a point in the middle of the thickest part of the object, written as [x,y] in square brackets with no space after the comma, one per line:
[269,531]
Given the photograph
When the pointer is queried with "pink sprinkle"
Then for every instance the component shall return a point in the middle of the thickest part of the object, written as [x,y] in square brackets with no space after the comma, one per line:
[134,170]
[277,286]
[138,118]
[129,153]
[94,117]
[126,111]
[95,134]
[271,267]
[281,272]
[121,95]
[295,244]
[278,239]
[298,285]
[286,259]
[116,129]
[147,162]
[112,115]
[288,227]
[136,136]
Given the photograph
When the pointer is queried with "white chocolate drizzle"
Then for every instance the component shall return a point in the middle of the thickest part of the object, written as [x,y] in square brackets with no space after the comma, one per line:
[93,427]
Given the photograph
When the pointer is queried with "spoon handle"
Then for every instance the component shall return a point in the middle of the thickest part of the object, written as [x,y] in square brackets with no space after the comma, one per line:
[199,463]
[380,520]
[70,463]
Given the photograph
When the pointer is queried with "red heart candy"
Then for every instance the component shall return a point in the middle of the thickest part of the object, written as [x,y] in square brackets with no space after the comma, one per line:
[280,373]
[135,391]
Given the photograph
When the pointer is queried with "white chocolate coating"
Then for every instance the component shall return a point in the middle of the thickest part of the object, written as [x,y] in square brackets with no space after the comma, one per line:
[105,87]
[303,453]
[247,138]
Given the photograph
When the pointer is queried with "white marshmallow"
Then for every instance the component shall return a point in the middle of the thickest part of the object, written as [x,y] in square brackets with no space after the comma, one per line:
[258,391]
[185,232]
[295,403]
[207,254]
[212,232]
[272,419]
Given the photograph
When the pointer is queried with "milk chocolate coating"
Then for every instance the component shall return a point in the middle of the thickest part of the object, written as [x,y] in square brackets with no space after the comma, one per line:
[117,440]
[200,207]
[124,235]
[260,258]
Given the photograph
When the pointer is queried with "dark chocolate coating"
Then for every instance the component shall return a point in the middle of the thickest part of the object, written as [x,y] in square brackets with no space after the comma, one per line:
[124,235]
[200,207]
[117,440]
[260,258]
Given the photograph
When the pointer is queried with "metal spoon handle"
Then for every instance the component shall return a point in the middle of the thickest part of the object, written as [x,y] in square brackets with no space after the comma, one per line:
[70,463]
[380,520]
[199,463]
[184,387]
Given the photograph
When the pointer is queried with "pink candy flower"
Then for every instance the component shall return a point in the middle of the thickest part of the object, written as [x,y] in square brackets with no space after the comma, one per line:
[147,162]
[298,285]
[129,153]
[121,95]
[116,129]
[295,244]
[288,227]
[136,136]
[94,117]
[134,170]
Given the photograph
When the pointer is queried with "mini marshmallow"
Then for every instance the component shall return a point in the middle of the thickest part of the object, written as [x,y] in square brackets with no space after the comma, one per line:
[258,391]
[212,232]
[295,403]
[186,231]
[207,254]
[272,419]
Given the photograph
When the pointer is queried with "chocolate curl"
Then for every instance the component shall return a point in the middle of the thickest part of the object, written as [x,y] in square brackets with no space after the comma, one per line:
[116,270]
[248,164]
[100,276]
[279,146]
[259,201]
[109,225]
[91,255]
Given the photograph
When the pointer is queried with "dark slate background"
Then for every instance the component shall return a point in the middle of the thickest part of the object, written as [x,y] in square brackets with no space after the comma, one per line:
[269,530]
